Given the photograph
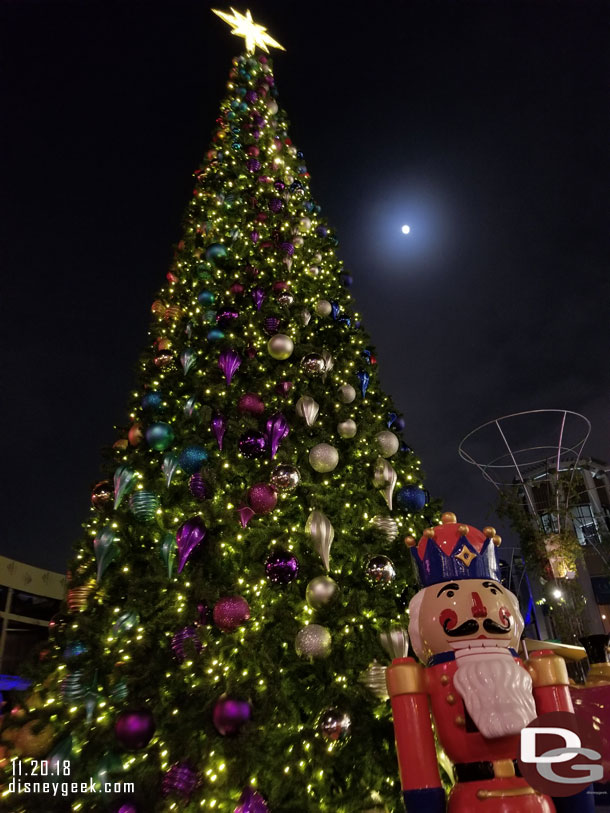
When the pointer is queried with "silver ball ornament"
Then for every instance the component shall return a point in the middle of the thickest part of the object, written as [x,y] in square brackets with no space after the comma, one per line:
[380,570]
[285,477]
[387,443]
[334,725]
[347,393]
[313,641]
[321,591]
[313,365]
[285,298]
[324,308]
[280,347]
[313,271]
[304,224]
[323,457]
[347,429]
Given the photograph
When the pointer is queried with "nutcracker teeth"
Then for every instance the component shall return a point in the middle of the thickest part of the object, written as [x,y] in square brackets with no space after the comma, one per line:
[472,647]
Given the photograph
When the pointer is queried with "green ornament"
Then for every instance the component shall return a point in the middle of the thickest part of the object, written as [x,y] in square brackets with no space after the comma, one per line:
[159,436]
[168,552]
[105,549]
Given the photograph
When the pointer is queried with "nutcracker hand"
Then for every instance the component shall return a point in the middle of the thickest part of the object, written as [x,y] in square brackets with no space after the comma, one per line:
[430,800]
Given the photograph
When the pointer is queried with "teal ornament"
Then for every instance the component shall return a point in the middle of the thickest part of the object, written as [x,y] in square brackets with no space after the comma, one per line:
[192,459]
[188,359]
[124,481]
[168,552]
[206,298]
[143,505]
[209,317]
[91,699]
[72,688]
[109,765]
[215,335]
[61,753]
[152,401]
[216,253]
[74,650]
[120,691]
[105,550]
[169,467]
[159,436]
[190,408]
[126,621]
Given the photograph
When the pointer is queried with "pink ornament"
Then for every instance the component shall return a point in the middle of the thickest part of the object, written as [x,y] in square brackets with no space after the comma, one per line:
[245,515]
[262,498]
[237,288]
[230,715]
[231,612]
[283,388]
[252,403]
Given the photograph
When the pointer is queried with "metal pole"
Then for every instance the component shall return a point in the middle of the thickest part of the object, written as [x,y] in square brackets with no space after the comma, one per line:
[5,615]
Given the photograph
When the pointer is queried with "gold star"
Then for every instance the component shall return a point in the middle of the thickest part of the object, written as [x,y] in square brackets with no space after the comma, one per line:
[243,25]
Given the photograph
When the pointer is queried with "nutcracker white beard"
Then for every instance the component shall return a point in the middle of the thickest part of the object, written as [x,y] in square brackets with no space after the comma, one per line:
[496,691]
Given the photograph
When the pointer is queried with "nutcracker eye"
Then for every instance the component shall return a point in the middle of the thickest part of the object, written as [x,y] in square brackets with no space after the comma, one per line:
[447,619]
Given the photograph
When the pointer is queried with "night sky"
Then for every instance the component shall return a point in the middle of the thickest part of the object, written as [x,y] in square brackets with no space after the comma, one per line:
[482,125]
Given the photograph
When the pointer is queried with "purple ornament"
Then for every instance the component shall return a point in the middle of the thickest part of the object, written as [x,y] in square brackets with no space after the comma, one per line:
[230,715]
[281,567]
[272,324]
[283,388]
[258,295]
[226,317]
[251,802]
[179,640]
[254,236]
[245,515]
[134,729]
[229,362]
[277,429]
[253,444]
[321,231]
[280,186]
[262,498]
[276,204]
[126,807]
[190,534]
[180,779]
[198,487]
[231,612]
[237,288]
[252,403]
[287,248]
[251,96]
[219,427]
[205,613]
[253,165]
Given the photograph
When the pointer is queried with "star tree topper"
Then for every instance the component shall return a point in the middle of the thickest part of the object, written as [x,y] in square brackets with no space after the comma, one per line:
[243,25]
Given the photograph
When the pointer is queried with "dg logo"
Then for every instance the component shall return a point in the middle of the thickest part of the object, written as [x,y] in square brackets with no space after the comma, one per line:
[561,753]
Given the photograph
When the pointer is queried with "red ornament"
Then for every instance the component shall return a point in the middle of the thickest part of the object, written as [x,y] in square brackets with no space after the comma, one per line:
[231,612]
[262,498]
[252,403]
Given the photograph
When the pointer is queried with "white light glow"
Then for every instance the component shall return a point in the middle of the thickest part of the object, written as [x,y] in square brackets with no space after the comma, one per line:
[557,593]
[406,229]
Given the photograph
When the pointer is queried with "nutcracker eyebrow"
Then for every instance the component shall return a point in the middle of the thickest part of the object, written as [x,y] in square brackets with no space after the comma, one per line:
[450,586]
[493,584]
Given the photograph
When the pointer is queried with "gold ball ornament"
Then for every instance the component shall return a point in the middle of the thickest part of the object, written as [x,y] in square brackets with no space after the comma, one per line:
[387,443]
[321,591]
[280,347]
[347,429]
[30,743]
[313,641]
[324,308]
[347,394]
[323,458]
[448,518]
[489,531]
[121,443]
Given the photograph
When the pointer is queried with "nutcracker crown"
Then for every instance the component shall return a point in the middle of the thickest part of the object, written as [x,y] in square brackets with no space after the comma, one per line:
[453,551]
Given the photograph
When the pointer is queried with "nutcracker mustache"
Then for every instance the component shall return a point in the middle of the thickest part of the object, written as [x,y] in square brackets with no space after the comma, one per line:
[472,625]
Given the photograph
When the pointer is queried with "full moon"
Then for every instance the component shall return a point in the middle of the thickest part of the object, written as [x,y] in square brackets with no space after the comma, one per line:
[406,229]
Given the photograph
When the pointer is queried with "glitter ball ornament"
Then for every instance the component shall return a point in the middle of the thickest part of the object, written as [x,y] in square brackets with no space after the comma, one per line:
[323,457]
[159,436]
[387,443]
[313,365]
[253,444]
[152,401]
[251,802]
[199,488]
[192,459]
[323,307]
[313,641]
[102,495]
[380,570]
[262,498]
[347,394]
[143,505]
[251,403]
[285,477]
[231,612]
[134,729]
[180,779]
[321,591]
[334,724]
[281,567]
[230,715]
[411,498]
[163,359]
[280,347]
[347,429]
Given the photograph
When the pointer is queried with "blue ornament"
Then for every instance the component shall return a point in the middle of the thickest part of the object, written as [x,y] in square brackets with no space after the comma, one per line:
[411,498]
[216,252]
[335,309]
[126,621]
[215,335]
[345,320]
[192,459]
[321,231]
[404,447]
[364,379]
[159,436]
[366,355]
[75,650]
[347,280]
[206,298]
[152,401]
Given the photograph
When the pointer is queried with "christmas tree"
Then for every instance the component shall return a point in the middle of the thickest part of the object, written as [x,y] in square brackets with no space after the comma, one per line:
[235,596]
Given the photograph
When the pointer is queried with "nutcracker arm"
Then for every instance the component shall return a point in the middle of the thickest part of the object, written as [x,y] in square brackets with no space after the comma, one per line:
[551,682]
[419,776]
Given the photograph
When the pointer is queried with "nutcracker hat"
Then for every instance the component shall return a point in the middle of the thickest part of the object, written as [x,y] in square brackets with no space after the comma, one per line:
[453,551]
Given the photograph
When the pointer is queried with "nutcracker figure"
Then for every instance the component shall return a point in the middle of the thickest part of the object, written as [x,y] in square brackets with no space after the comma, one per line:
[465,627]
